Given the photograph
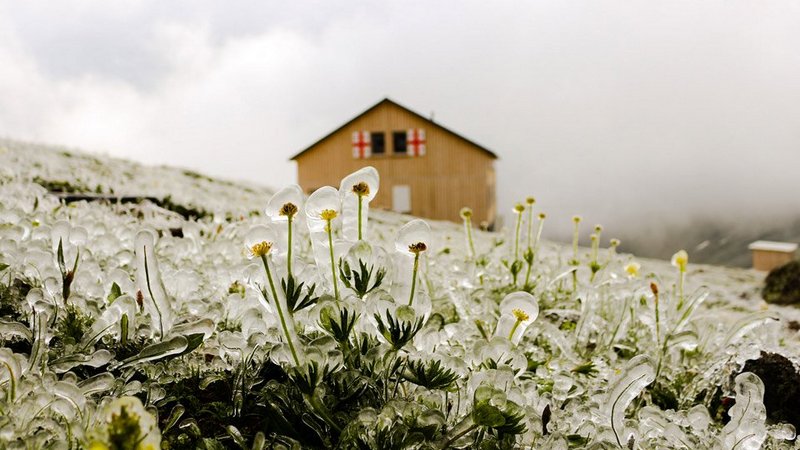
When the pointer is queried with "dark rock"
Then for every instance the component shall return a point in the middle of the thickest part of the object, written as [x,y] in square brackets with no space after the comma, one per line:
[782,285]
[781,386]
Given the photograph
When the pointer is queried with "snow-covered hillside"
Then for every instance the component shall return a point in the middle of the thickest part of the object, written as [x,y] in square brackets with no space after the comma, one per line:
[121,309]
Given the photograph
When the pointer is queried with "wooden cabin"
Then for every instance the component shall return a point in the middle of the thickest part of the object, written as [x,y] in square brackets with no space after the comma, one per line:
[768,255]
[426,169]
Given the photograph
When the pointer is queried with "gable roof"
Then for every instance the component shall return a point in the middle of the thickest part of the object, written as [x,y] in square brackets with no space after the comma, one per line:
[417,115]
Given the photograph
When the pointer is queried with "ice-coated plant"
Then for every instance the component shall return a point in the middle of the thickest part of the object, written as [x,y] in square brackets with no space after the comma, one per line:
[285,206]
[680,260]
[412,240]
[183,330]
[356,191]
[323,211]
[466,216]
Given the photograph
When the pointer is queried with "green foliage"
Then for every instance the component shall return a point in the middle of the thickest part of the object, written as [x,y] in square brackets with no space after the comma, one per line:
[401,330]
[73,325]
[295,298]
[115,293]
[361,281]
[430,374]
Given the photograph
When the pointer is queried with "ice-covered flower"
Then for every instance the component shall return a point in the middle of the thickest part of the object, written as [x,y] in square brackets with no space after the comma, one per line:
[260,241]
[632,269]
[356,191]
[285,204]
[680,259]
[413,237]
[517,311]
[323,206]
[125,424]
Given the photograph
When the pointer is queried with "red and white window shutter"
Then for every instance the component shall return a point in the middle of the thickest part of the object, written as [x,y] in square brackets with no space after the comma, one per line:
[362,146]
[415,142]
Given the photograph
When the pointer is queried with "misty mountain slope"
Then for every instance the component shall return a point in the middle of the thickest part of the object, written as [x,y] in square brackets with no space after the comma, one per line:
[715,242]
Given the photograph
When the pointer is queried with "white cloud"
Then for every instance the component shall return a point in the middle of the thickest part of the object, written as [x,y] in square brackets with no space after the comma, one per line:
[628,113]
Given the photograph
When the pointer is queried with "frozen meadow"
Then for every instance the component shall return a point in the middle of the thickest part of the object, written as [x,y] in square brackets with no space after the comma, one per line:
[152,307]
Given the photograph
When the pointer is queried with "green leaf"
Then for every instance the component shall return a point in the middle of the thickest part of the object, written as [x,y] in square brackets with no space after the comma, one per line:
[115,293]
[487,415]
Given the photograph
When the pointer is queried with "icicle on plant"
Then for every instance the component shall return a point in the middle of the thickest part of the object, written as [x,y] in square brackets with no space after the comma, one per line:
[530,201]
[747,429]
[515,266]
[517,311]
[284,206]
[612,249]
[680,260]
[260,241]
[637,375]
[594,265]
[576,220]
[322,213]
[530,256]
[413,239]
[466,215]
[149,283]
[356,191]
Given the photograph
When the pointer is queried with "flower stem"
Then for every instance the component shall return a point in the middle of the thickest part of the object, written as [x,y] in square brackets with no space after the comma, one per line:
[414,278]
[333,261]
[360,199]
[280,310]
[513,329]
[150,291]
[680,290]
[516,237]
[468,229]
[530,224]
[289,254]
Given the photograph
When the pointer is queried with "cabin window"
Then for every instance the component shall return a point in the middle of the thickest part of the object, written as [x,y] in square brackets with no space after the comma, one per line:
[399,139]
[378,143]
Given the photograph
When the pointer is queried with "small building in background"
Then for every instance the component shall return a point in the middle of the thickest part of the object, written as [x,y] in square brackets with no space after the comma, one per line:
[768,255]
[426,169]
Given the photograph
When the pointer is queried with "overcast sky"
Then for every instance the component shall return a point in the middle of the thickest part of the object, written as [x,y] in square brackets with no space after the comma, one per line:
[631,113]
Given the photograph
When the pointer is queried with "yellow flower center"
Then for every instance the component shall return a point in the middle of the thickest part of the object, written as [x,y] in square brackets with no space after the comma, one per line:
[521,315]
[466,213]
[519,207]
[261,249]
[328,214]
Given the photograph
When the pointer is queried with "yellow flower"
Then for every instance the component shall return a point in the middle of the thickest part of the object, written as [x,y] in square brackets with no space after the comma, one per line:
[530,200]
[680,260]
[542,216]
[576,219]
[633,269]
[328,214]
[521,315]
[465,213]
[519,208]
[261,249]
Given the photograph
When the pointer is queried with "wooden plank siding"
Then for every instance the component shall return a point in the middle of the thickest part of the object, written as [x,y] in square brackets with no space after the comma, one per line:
[453,173]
